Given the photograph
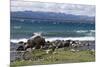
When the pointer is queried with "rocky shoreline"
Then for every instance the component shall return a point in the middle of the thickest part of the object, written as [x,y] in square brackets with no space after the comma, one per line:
[38,42]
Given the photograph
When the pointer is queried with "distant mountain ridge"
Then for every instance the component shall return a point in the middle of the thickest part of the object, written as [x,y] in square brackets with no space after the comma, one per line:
[52,16]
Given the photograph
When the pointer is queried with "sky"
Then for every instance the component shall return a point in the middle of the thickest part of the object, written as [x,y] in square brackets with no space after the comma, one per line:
[67,8]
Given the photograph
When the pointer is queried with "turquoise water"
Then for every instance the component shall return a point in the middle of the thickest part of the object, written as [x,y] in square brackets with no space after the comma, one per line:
[25,28]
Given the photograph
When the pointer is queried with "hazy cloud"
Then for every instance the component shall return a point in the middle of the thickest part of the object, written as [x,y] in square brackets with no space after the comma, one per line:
[76,9]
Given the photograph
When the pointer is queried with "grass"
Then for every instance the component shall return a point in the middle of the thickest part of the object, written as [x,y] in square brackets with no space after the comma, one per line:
[61,56]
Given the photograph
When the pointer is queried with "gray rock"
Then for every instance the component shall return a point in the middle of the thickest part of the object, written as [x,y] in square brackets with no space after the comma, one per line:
[36,42]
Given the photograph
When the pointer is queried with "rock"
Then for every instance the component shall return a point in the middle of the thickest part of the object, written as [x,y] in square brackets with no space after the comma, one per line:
[77,50]
[67,43]
[20,48]
[53,48]
[93,50]
[75,44]
[21,42]
[47,51]
[47,45]
[72,50]
[29,49]
[58,44]
[37,42]
[27,55]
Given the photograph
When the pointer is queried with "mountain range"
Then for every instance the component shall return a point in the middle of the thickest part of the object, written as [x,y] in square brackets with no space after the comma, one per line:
[52,16]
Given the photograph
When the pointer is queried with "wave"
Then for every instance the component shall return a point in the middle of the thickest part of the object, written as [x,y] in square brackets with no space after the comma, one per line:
[81,31]
[71,38]
[92,30]
[18,40]
[77,33]
[85,31]
[17,27]
[57,38]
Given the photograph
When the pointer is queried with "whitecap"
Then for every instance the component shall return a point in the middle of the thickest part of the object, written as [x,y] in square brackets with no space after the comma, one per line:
[18,40]
[92,30]
[81,31]
[71,38]
[22,20]
[17,27]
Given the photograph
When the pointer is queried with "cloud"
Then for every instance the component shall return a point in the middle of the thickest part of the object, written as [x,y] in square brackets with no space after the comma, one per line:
[76,9]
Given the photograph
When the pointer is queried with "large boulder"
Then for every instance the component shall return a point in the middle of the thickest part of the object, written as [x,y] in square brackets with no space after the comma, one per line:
[20,48]
[67,43]
[58,43]
[76,44]
[36,42]
[47,45]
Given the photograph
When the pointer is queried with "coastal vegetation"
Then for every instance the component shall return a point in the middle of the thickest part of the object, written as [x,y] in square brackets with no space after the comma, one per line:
[60,56]
[37,51]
